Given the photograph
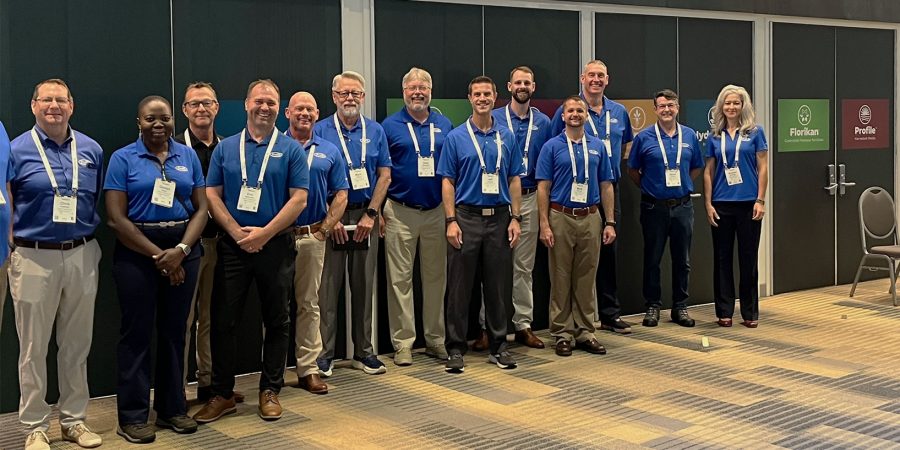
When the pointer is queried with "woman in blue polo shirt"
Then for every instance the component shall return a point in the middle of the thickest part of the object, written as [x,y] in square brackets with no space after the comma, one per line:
[156,205]
[734,185]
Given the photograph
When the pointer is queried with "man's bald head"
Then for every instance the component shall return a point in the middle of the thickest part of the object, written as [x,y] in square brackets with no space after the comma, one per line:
[302,112]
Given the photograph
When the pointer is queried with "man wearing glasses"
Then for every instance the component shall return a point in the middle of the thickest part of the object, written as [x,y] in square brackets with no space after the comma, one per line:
[413,217]
[664,160]
[363,144]
[53,269]
[200,107]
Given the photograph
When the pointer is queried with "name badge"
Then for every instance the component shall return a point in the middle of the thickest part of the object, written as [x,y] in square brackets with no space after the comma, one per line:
[733,176]
[579,192]
[673,178]
[426,166]
[490,183]
[2,199]
[64,208]
[163,193]
[608,147]
[249,199]
[359,179]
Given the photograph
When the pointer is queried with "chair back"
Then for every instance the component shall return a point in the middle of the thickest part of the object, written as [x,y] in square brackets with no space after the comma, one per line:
[877,218]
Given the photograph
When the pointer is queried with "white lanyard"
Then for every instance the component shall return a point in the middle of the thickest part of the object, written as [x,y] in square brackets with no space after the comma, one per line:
[309,157]
[265,163]
[187,138]
[663,149]
[478,147]
[737,149]
[337,127]
[415,140]
[527,135]
[584,150]
[74,152]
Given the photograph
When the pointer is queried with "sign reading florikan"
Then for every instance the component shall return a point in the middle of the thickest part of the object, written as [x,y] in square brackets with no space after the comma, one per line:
[803,124]
[865,123]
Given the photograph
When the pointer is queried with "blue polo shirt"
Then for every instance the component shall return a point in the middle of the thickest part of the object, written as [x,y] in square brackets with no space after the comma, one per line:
[646,156]
[406,185]
[555,165]
[327,175]
[459,162]
[540,133]
[6,173]
[751,143]
[376,150]
[33,196]
[620,129]
[286,170]
[134,170]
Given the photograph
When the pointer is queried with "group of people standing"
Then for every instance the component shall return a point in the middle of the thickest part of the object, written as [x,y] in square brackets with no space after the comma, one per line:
[198,218]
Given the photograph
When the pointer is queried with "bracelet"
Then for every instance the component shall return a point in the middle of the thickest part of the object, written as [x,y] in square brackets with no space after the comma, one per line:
[450,220]
[760,201]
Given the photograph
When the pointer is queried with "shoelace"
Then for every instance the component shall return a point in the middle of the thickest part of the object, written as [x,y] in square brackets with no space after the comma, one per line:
[77,430]
[38,434]
[270,397]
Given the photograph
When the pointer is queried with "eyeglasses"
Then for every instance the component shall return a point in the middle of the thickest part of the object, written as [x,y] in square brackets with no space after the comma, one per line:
[667,106]
[417,88]
[344,94]
[49,100]
[196,104]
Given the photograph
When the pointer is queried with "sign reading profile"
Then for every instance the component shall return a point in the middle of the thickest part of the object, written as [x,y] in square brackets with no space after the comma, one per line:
[803,125]
[865,123]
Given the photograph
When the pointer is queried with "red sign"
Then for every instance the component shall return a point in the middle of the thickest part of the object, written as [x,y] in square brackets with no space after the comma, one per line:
[865,123]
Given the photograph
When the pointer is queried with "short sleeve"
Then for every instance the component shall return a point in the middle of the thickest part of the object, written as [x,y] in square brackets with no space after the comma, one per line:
[117,173]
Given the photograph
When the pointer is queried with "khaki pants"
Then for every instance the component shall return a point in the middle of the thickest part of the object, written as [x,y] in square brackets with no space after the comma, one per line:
[200,311]
[405,228]
[307,279]
[523,264]
[3,285]
[573,267]
[50,286]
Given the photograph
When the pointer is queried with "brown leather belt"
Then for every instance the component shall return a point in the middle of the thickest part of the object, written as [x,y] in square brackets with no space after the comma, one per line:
[575,212]
[307,230]
[65,245]
[526,191]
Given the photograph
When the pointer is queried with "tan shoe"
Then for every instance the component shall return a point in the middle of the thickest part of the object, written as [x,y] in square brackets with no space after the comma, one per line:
[238,397]
[527,338]
[37,440]
[313,383]
[482,343]
[215,408]
[82,435]
[269,407]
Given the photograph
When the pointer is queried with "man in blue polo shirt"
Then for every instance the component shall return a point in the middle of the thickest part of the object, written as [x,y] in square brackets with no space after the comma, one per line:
[480,165]
[6,173]
[413,217]
[532,129]
[572,230]
[53,271]
[327,179]
[608,121]
[257,186]
[364,147]
[664,160]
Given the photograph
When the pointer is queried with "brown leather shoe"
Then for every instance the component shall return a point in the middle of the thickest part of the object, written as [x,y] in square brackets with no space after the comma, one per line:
[482,343]
[215,408]
[564,347]
[313,383]
[591,346]
[269,407]
[527,338]
[238,397]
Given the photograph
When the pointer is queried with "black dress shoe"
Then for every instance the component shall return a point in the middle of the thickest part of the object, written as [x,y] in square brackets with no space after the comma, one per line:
[681,317]
[651,318]
[591,346]
[563,347]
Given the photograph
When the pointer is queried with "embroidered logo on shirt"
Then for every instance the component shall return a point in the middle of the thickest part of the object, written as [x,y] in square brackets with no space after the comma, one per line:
[535,128]
[593,152]
[85,163]
[277,154]
[365,141]
[320,155]
[181,168]
[437,130]
[613,120]
[685,145]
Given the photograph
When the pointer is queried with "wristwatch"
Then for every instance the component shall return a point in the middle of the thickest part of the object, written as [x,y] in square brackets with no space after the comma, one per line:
[450,220]
[516,217]
[372,212]
[184,248]
[611,223]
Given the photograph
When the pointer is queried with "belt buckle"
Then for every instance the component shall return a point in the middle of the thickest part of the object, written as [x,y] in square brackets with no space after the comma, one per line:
[308,230]
[487,211]
[580,211]
[67,245]
[671,202]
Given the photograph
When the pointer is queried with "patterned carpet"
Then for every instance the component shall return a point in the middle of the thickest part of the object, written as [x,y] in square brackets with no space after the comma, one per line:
[821,371]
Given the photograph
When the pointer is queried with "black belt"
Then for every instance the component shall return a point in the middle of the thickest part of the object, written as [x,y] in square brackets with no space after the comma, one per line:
[64,245]
[483,210]
[669,202]
[412,206]
[156,225]
[526,191]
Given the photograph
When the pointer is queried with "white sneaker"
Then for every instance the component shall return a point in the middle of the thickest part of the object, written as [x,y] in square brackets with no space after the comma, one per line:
[37,440]
[82,435]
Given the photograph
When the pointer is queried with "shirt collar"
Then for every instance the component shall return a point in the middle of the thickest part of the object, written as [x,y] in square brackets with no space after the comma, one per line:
[591,110]
[343,127]
[313,139]
[45,138]
[196,140]
[249,138]
[408,118]
[143,152]
[476,130]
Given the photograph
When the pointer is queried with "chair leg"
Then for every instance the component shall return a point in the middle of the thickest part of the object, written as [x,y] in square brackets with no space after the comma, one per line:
[858,272]
[893,282]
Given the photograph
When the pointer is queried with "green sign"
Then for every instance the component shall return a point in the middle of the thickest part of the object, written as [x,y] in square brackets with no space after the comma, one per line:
[456,109]
[803,125]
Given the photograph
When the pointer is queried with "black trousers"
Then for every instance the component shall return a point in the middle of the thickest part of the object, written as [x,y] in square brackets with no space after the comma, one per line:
[736,219]
[149,301]
[273,270]
[608,305]
[485,244]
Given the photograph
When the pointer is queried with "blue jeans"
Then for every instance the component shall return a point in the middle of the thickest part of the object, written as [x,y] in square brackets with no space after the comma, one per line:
[660,223]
